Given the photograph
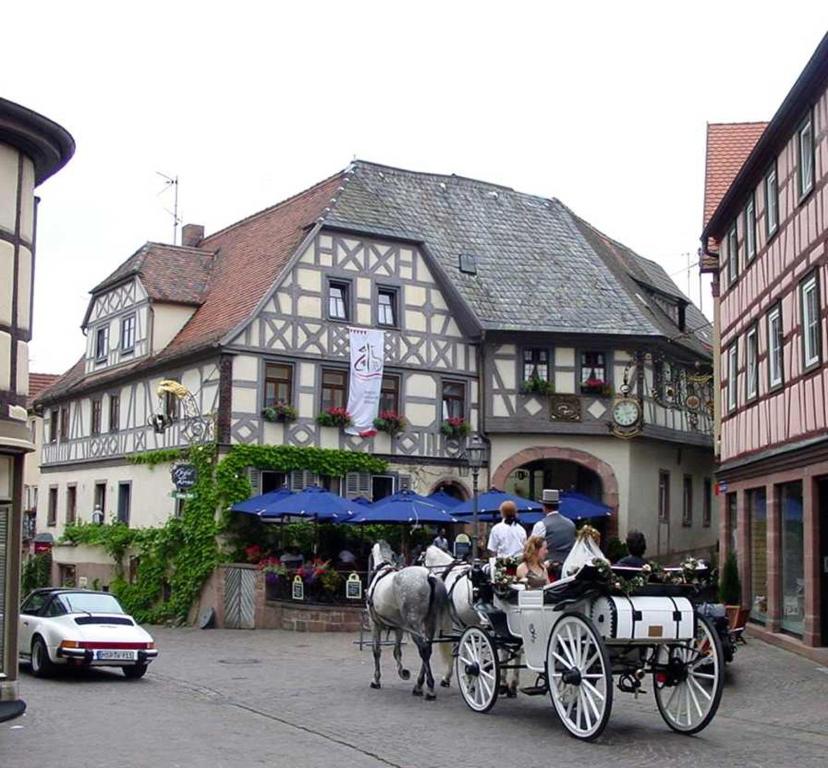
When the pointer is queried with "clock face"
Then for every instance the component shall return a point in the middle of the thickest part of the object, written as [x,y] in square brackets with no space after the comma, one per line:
[625,413]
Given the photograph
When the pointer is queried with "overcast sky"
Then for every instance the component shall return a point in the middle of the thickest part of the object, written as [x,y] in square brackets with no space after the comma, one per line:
[602,105]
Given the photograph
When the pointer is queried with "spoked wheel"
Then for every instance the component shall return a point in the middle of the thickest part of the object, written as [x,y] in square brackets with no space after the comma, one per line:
[689,679]
[579,675]
[478,669]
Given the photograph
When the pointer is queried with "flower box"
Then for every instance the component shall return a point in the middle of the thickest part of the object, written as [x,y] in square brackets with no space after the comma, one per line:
[280,412]
[334,417]
[537,386]
[455,427]
[390,422]
[596,387]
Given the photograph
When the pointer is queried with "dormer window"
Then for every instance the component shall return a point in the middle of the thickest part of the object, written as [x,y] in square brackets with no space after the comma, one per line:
[468,263]
[128,333]
[101,344]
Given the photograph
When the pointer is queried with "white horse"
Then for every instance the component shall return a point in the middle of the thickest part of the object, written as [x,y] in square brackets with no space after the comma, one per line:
[456,575]
[408,600]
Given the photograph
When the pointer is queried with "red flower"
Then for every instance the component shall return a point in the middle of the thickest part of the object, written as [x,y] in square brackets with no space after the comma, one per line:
[253,553]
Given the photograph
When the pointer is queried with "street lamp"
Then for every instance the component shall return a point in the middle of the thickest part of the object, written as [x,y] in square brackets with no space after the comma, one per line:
[475,456]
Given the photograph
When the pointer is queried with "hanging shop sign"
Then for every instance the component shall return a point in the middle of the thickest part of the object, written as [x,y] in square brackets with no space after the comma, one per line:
[184,476]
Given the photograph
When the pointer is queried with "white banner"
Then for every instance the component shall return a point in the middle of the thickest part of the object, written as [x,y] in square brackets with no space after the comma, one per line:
[367,355]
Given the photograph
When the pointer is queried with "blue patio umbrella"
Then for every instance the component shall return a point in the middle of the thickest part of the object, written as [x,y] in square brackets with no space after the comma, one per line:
[488,506]
[444,500]
[578,506]
[260,505]
[314,503]
[404,507]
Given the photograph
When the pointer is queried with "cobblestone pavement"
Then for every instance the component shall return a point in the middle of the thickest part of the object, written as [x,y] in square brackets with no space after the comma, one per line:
[236,698]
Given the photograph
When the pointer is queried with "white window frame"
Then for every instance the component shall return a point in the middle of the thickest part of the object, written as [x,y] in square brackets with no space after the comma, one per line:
[732,377]
[771,202]
[811,352]
[732,254]
[129,324]
[101,356]
[750,230]
[805,156]
[751,363]
[775,359]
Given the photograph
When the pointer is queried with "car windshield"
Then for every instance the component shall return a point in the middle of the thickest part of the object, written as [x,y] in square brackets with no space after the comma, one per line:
[81,602]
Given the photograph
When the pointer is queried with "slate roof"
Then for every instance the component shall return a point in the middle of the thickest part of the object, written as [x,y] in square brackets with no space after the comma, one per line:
[728,146]
[536,268]
[539,267]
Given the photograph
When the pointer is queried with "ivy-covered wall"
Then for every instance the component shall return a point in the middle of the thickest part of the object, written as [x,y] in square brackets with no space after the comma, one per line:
[175,560]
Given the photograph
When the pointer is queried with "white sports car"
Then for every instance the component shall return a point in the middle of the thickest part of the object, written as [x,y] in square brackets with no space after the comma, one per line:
[82,628]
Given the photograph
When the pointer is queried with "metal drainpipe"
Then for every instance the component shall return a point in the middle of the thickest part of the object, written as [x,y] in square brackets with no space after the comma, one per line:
[481,408]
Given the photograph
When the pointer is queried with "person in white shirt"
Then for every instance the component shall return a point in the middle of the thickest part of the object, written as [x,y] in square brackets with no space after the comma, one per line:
[507,537]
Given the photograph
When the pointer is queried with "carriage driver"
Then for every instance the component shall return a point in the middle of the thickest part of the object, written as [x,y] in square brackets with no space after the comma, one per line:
[559,531]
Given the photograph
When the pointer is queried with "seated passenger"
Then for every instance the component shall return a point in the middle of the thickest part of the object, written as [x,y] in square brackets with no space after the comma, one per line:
[636,546]
[533,568]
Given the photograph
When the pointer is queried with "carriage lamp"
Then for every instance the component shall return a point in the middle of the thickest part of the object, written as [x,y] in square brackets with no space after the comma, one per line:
[475,456]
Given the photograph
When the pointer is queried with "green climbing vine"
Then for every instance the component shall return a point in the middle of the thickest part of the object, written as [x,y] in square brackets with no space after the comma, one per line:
[161,456]
[175,560]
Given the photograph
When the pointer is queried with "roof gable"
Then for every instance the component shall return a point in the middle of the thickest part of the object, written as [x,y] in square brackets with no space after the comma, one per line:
[728,146]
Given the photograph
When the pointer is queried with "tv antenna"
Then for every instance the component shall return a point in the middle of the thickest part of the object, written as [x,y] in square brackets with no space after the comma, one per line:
[172,183]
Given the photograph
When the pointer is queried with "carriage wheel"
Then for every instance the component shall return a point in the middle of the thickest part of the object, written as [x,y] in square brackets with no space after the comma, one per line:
[478,669]
[689,690]
[579,675]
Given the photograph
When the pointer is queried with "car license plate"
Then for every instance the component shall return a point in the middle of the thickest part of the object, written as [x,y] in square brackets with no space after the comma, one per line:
[115,655]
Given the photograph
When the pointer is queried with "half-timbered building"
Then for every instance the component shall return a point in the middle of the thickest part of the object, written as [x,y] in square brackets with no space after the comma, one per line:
[581,362]
[764,240]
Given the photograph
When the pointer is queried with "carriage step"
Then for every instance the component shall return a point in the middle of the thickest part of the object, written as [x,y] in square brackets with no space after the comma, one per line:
[535,690]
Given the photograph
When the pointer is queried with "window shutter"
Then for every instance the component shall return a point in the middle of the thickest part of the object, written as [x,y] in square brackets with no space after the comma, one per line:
[358,484]
[300,479]
[403,482]
[255,478]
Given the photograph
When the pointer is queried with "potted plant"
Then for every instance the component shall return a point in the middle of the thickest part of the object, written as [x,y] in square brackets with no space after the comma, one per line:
[280,412]
[595,386]
[455,427]
[390,422]
[334,417]
[273,569]
[730,588]
[535,385]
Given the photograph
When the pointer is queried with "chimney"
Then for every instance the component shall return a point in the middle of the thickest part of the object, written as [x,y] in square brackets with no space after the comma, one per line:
[192,234]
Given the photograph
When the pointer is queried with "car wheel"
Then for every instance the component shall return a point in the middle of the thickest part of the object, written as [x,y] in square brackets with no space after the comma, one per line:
[42,665]
[135,671]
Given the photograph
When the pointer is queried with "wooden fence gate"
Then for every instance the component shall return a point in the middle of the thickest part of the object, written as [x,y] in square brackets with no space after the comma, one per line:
[239,598]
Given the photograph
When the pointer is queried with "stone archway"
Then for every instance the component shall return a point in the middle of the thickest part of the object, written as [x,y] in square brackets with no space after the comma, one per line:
[538,453]
[449,484]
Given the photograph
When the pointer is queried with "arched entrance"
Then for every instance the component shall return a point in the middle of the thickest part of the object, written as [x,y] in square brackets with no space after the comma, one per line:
[529,471]
[451,488]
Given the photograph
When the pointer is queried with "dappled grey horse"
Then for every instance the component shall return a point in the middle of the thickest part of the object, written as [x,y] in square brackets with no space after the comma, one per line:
[403,600]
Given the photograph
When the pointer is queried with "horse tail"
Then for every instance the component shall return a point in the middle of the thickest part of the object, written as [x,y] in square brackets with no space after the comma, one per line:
[438,603]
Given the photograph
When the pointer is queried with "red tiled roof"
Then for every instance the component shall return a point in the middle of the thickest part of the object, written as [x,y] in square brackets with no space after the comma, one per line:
[728,146]
[250,256]
[38,382]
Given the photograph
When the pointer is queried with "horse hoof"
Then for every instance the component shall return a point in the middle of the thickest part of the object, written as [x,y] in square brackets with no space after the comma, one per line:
[430,696]
[405,674]
[376,686]
[416,692]
[445,684]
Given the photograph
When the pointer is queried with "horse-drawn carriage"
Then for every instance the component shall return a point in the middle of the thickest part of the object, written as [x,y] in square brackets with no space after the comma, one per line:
[575,635]
[578,633]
